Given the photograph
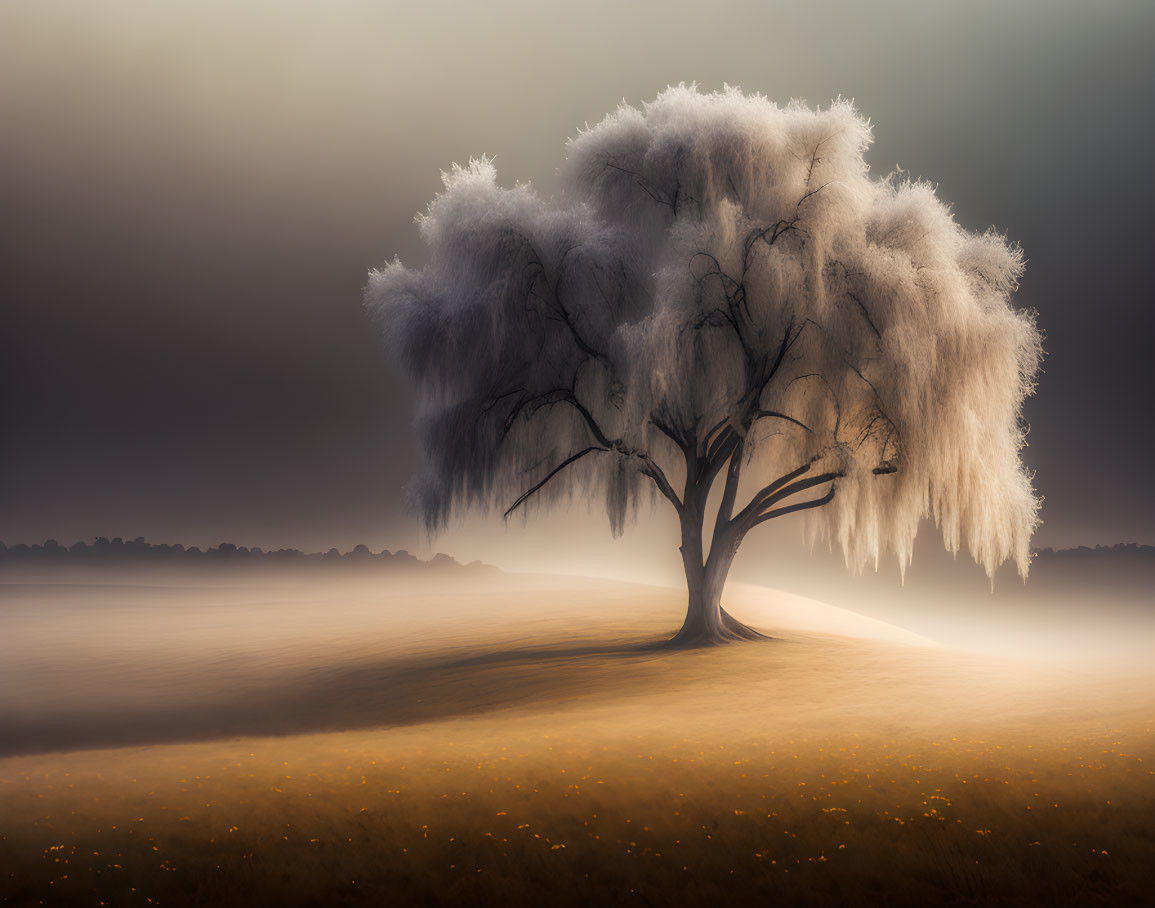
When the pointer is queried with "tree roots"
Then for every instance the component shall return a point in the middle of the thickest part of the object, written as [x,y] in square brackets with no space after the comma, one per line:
[729,630]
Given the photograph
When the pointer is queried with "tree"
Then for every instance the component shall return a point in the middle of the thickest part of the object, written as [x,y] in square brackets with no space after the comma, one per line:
[720,299]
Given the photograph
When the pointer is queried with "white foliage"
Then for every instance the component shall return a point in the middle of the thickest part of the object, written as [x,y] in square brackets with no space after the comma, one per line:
[712,256]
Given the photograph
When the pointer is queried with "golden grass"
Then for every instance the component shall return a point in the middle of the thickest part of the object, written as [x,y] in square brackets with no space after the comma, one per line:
[812,770]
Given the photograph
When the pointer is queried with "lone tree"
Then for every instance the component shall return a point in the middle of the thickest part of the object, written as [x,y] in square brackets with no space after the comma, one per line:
[720,296]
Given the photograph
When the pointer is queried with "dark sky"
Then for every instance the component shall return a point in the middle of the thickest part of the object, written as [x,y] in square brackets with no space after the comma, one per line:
[191,194]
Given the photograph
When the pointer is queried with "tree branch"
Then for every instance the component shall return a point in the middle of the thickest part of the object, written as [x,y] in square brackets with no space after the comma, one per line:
[530,405]
[720,424]
[794,488]
[724,446]
[761,414]
[649,466]
[583,345]
[729,494]
[789,339]
[644,185]
[790,509]
[722,276]
[758,501]
[769,235]
[552,473]
[541,273]
[865,312]
[590,422]
[655,473]
[666,429]
[714,453]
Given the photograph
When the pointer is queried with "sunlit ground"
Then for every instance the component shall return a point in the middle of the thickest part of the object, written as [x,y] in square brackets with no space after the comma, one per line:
[504,741]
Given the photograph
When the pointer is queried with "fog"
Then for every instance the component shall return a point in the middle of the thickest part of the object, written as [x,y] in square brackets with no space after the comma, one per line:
[222,654]
[236,738]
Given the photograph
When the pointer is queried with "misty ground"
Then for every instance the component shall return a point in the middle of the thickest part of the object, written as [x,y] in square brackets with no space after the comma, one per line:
[505,739]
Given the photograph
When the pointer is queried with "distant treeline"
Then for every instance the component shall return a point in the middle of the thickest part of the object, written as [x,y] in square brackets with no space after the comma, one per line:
[109,551]
[104,549]
[1123,549]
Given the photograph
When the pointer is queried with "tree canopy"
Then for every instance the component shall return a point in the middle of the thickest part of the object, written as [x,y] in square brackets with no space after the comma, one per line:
[721,287]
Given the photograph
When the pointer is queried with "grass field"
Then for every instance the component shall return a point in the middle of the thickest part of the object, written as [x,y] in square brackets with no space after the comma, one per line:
[537,755]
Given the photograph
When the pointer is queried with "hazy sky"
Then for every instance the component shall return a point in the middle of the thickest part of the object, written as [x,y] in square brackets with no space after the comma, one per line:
[191,194]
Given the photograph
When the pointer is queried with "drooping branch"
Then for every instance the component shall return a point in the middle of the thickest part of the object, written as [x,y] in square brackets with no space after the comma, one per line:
[528,405]
[725,442]
[588,418]
[834,401]
[525,496]
[650,467]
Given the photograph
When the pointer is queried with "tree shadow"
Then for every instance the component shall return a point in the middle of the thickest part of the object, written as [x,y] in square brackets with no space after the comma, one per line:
[383,693]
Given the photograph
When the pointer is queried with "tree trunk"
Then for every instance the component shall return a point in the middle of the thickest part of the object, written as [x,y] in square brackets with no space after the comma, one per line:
[707,623]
